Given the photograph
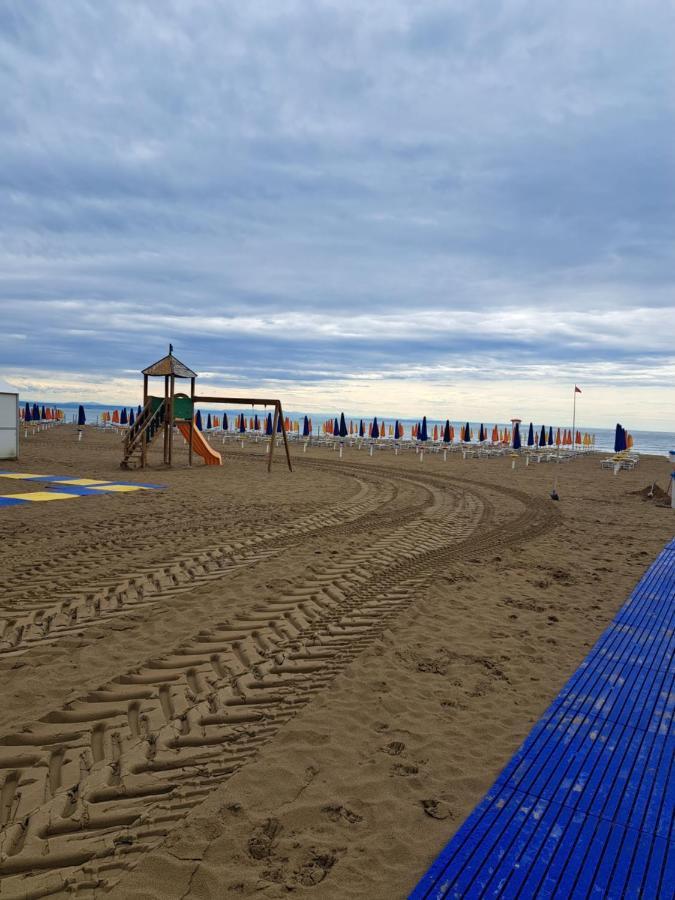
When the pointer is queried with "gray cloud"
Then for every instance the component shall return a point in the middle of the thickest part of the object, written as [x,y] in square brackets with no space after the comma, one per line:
[309,188]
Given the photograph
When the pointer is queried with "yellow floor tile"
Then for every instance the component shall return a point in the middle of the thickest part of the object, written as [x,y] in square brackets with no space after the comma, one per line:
[117,488]
[40,496]
[20,475]
[82,482]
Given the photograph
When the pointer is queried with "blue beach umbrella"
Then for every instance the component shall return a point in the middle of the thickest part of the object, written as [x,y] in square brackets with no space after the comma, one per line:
[256,422]
[362,430]
[305,427]
[43,413]
[542,436]
[481,434]
[26,414]
[242,423]
[139,410]
[36,412]
[279,425]
[226,424]
[619,439]
[397,431]
[336,427]
[550,435]
[131,417]
[198,421]
[446,432]
[124,418]
[466,435]
[81,418]
[375,433]
[530,436]
[269,428]
[208,422]
[343,426]
[516,436]
[422,433]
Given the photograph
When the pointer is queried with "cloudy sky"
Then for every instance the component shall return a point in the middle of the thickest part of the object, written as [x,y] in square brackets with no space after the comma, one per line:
[454,208]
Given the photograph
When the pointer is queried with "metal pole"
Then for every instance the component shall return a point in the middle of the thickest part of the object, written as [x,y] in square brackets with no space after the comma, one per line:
[574,419]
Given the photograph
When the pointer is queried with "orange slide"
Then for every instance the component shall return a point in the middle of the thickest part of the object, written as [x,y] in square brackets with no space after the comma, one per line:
[200,445]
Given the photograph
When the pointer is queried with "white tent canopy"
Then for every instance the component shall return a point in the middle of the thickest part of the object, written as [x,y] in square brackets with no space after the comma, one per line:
[9,420]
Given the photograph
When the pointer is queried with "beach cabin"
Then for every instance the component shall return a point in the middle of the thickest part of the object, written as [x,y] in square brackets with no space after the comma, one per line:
[9,421]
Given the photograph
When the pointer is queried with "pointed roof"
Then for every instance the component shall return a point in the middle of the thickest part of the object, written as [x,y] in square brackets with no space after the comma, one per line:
[170,365]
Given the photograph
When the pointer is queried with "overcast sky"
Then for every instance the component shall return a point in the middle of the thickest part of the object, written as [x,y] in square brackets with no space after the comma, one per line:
[450,208]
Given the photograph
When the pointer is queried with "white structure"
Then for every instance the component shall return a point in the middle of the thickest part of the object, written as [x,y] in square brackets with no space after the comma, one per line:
[9,421]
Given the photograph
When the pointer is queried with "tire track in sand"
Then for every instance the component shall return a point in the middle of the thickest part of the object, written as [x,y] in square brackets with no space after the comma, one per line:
[103,779]
[28,622]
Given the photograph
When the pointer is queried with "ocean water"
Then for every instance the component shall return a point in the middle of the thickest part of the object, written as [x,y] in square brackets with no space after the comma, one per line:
[652,442]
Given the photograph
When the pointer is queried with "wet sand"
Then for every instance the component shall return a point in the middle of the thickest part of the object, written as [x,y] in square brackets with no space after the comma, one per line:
[252,684]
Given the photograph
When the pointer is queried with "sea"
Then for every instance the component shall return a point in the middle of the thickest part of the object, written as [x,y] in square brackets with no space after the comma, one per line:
[657,443]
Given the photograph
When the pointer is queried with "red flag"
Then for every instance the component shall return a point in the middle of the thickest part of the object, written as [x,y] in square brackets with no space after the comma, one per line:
[577,390]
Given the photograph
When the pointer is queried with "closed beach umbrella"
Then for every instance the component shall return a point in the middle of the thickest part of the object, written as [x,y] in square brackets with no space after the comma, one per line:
[268,424]
[619,439]
[550,435]
[208,422]
[516,437]
[336,427]
[242,424]
[530,436]
[422,434]
[542,436]
[36,412]
[305,427]
[447,436]
[198,421]
[362,430]
[256,422]
[279,428]
[26,414]
[124,418]
[343,426]
[131,417]
[482,436]
[397,431]
[43,412]
[139,410]
[226,424]
[467,433]
[375,431]
[81,418]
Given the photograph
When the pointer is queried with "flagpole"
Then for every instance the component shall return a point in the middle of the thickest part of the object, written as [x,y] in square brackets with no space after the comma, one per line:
[574,419]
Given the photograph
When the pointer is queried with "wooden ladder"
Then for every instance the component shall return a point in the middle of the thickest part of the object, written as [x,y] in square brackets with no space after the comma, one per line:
[144,430]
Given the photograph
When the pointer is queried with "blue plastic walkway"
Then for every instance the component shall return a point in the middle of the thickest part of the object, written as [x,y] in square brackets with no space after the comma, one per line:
[585,808]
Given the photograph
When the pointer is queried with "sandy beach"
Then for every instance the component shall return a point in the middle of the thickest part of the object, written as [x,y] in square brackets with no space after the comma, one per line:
[254,685]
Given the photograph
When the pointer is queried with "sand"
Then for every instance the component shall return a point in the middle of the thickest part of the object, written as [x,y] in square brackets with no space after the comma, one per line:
[251,684]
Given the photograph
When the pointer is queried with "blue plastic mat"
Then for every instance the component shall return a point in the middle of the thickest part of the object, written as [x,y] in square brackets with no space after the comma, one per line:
[586,806]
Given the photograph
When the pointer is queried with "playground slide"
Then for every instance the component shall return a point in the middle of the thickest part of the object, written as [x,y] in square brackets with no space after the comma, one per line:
[199,444]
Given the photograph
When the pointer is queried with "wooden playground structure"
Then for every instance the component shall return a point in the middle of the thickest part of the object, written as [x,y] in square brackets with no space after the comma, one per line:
[163,414]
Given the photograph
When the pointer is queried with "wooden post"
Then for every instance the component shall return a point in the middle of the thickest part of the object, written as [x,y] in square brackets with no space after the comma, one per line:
[172,384]
[192,419]
[166,413]
[274,435]
[144,439]
[283,432]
